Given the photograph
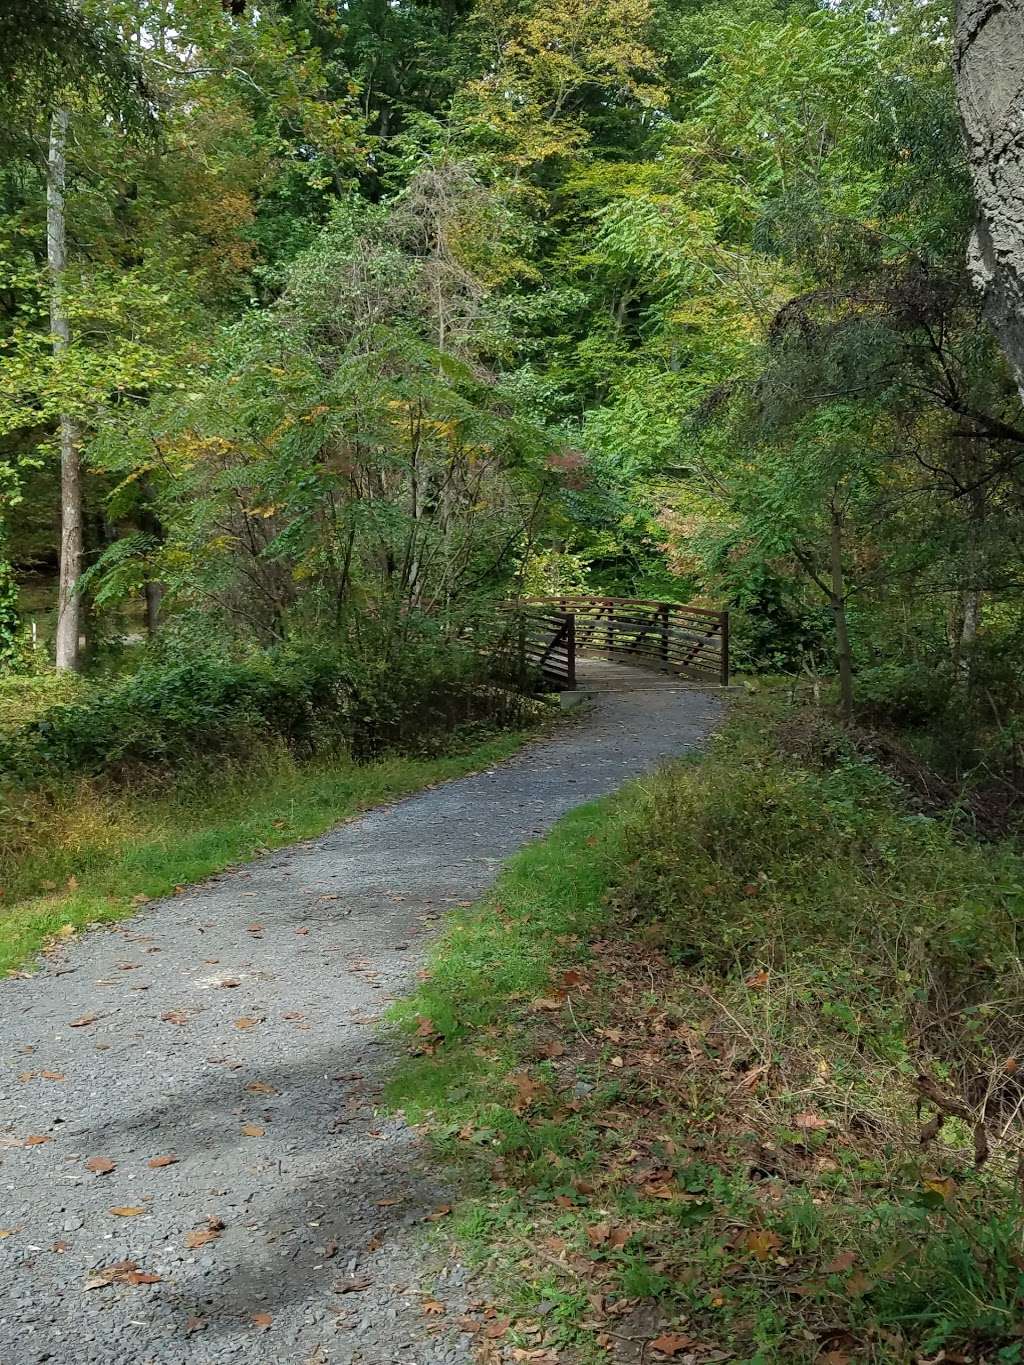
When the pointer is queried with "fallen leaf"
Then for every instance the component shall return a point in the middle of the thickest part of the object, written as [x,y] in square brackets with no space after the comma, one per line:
[810,1122]
[762,1243]
[158,1161]
[245,1023]
[8,1232]
[253,1130]
[841,1263]
[122,1272]
[302,931]
[671,1343]
[945,1186]
[352,1286]
[757,980]
[262,1320]
[433,1308]
[260,1088]
[438,1214]
[128,1211]
[174,1017]
[551,1049]
[83,1022]
[545,1003]
[36,1140]
[52,1075]
[199,1237]
[859,1284]
[598,1234]
[100,1165]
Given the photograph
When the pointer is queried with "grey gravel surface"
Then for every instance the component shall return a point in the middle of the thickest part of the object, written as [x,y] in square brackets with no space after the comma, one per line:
[234,1029]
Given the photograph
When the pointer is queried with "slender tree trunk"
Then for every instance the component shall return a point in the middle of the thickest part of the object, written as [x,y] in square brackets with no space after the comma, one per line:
[837,601]
[69,605]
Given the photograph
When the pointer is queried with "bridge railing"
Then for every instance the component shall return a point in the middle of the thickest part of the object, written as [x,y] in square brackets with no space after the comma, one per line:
[691,642]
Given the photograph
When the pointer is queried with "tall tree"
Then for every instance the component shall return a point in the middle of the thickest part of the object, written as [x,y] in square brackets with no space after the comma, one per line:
[989,72]
[69,602]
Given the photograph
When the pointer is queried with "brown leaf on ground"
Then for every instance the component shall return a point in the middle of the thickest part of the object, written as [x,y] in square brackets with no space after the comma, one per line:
[843,1262]
[253,1130]
[352,1286]
[762,1243]
[245,1023]
[128,1210]
[156,1162]
[438,1214]
[51,1075]
[671,1344]
[200,1236]
[433,1308]
[598,1234]
[121,1272]
[527,1089]
[100,1165]
[810,1122]
[83,1022]
[36,1140]
[262,1320]
[858,1285]
[174,1017]
[546,1003]
[260,1088]
[552,1049]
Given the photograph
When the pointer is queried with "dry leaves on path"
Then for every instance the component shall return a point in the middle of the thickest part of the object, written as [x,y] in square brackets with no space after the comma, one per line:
[208,1232]
[100,1165]
[121,1272]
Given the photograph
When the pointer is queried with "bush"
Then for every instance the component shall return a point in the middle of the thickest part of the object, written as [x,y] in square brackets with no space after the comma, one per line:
[168,715]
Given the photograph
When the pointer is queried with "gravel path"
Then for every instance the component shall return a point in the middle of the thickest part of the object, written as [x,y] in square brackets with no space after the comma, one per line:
[232,1028]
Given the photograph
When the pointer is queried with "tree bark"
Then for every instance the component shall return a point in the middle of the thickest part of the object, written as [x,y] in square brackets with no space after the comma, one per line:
[69,605]
[988,68]
[837,601]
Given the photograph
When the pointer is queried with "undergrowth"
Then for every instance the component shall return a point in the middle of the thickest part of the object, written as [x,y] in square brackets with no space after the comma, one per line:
[732,1064]
[82,853]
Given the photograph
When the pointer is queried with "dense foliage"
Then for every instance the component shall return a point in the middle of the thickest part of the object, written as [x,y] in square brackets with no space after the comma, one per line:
[392,308]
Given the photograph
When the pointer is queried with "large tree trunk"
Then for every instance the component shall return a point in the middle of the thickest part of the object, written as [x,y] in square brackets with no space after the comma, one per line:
[69,605]
[988,65]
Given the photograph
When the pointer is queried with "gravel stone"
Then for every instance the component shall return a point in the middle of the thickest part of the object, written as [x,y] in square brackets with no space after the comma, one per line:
[265,1092]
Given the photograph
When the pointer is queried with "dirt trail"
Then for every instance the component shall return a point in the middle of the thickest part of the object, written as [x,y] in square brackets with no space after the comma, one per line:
[233,1029]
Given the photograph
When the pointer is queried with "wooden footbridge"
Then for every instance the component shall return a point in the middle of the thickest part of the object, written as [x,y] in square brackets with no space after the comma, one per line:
[555,632]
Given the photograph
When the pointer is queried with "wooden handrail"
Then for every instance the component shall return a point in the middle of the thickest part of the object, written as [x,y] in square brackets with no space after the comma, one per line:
[673,637]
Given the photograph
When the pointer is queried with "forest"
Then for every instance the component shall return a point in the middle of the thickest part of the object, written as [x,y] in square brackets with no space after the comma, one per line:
[330,330]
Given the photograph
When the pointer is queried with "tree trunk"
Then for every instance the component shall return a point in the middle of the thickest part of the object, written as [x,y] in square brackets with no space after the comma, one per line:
[988,68]
[69,606]
[837,601]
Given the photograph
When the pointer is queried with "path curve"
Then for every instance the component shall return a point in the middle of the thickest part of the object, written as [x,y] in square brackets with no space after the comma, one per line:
[235,1030]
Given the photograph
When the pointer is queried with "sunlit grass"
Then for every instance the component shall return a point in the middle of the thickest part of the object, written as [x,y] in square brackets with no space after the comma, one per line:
[87,856]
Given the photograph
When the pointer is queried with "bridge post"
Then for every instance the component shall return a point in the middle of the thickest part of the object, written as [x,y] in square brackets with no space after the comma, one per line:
[570,649]
[663,617]
[725,649]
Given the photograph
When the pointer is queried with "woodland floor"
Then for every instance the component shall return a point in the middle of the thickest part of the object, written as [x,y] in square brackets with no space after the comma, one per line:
[192,1167]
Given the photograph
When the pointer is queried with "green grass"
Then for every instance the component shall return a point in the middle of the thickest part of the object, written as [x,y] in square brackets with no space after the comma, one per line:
[674,1055]
[87,856]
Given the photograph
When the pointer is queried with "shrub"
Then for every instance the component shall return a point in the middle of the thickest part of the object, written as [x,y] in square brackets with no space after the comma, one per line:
[170,714]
